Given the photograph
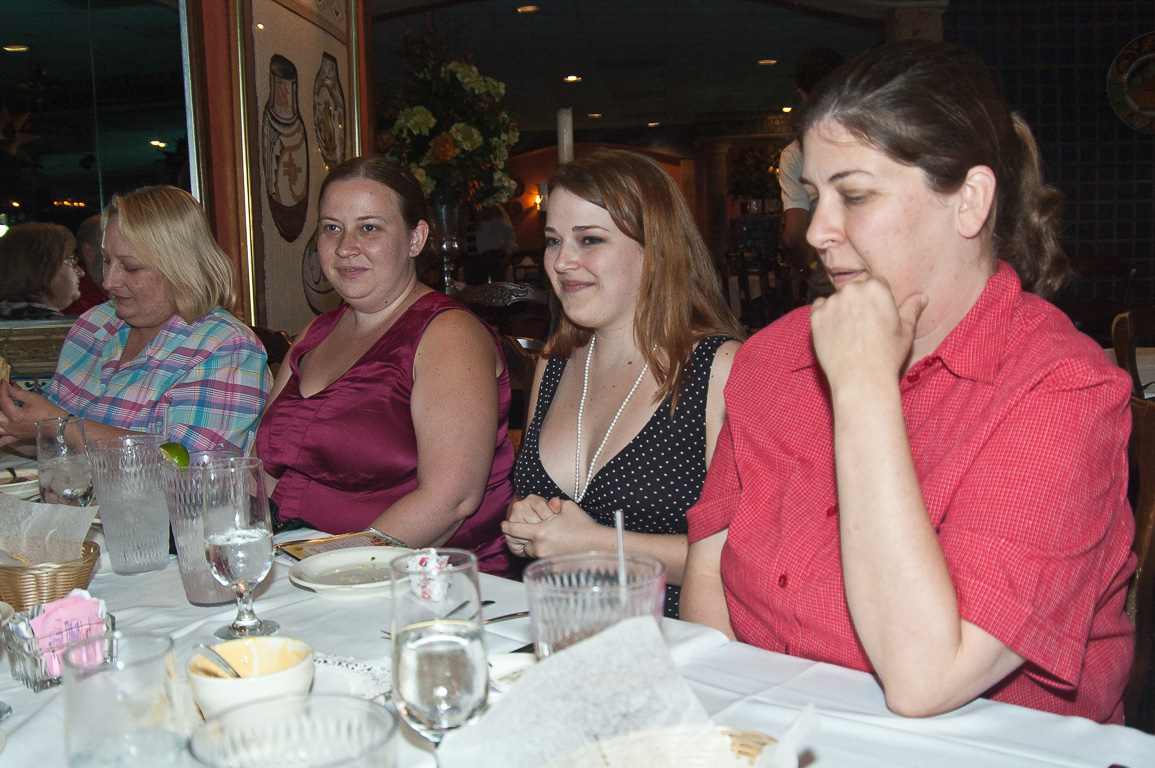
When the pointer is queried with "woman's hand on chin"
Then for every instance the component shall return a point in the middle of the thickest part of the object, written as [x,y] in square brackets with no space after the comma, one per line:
[563,527]
[860,333]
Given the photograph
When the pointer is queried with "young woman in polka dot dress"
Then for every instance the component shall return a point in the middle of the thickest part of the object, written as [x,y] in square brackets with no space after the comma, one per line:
[631,423]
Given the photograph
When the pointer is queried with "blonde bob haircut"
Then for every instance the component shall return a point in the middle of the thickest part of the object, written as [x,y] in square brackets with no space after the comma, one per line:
[680,300]
[166,228]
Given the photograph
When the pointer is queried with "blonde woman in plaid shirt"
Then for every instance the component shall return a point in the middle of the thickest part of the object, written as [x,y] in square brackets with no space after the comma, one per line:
[164,350]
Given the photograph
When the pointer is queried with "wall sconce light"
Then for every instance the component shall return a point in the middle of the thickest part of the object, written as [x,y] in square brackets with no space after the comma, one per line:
[541,199]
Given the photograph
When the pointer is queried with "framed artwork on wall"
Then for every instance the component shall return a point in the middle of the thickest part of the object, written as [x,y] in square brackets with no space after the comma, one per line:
[301,117]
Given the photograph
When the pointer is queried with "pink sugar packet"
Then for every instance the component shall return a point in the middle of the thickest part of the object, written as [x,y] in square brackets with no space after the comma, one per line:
[74,617]
[427,577]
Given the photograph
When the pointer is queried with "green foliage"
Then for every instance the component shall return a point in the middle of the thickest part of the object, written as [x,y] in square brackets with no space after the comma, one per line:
[448,128]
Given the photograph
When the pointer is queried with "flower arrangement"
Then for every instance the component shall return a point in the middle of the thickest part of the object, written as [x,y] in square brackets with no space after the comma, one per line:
[448,128]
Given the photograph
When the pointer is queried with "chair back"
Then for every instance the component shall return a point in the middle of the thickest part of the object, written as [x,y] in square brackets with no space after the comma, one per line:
[1126,330]
[276,344]
[1102,289]
[514,309]
[521,363]
[1139,700]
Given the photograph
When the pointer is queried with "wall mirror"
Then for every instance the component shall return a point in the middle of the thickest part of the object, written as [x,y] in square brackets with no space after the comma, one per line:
[92,103]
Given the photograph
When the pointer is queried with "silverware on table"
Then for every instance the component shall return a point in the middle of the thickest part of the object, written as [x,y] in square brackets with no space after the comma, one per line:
[218,661]
[385,633]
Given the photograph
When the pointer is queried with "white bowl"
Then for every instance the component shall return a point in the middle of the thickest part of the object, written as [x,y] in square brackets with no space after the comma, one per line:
[6,612]
[27,482]
[269,667]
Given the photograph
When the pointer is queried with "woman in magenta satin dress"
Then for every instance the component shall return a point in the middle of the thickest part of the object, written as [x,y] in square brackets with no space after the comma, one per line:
[391,410]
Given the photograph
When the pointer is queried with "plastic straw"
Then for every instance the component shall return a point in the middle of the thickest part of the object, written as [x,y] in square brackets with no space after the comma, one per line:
[620,525]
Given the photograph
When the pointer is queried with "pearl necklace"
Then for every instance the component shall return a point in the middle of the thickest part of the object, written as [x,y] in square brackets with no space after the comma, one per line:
[579,489]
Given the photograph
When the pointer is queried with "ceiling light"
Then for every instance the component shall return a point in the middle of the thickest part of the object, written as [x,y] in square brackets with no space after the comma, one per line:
[787,109]
[528,8]
[767,62]
[594,115]
[16,48]
[260,26]
[572,79]
[157,143]
[652,125]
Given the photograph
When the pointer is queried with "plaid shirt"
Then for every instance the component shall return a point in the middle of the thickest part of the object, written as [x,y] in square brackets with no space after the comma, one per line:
[209,375]
[1018,428]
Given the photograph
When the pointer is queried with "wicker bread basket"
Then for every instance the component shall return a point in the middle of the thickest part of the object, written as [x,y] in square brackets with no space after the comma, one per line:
[26,585]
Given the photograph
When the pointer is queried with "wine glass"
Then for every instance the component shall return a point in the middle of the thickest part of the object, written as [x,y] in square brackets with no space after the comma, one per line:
[440,671]
[62,462]
[239,537]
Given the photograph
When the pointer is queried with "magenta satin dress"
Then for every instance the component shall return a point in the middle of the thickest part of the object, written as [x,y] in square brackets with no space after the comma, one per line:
[344,455]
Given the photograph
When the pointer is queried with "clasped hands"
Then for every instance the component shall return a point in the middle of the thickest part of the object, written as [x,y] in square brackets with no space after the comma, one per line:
[18,422]
[539,528]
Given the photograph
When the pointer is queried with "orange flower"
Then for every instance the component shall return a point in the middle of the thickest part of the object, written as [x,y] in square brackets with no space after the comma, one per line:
[442,149]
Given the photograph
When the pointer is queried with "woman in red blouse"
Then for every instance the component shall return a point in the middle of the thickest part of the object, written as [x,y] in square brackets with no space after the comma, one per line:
[924,475]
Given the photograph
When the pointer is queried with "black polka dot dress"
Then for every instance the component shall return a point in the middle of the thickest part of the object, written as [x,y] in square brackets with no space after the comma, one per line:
[655,478]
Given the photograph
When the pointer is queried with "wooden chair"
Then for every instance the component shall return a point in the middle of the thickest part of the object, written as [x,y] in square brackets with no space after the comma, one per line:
[514,309]
[521,363]
[276,344]
[1139,699]
[1126,330]
[1102,289]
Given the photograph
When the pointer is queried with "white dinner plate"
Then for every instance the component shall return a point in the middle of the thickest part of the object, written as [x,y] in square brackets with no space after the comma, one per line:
[347,574]
[26,483]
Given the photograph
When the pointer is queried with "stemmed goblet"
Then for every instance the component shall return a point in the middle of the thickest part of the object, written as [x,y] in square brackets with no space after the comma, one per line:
[62,462]
[440,670]
[239,537]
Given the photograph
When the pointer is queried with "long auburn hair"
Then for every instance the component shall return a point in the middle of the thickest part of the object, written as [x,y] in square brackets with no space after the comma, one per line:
[937,107]
[680,300]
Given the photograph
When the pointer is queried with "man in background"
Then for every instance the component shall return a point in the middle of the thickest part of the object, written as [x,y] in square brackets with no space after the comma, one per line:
[92,275]
[812,67]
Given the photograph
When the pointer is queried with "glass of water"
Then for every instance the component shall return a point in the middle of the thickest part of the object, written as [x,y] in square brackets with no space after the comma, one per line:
[440,671]
[62,462]
[239,537]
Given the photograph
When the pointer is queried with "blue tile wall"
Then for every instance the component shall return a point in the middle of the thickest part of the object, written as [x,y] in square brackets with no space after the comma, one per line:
[1052,57]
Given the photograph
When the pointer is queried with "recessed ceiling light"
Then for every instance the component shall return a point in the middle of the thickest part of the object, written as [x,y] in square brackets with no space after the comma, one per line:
[260,25]
[16,48]
[787,109]
[572,79]
[652,125]
[157,143]
[767,62]
[528,8]
[594,115]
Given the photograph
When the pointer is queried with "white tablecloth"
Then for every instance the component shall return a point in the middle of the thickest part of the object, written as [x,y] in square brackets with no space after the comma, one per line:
[739,685]
[1145,363]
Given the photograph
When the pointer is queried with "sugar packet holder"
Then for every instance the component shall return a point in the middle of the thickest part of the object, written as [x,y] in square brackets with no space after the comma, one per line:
[428,579]
[35,639]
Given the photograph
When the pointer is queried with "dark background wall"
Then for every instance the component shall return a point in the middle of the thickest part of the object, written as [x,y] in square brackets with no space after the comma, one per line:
[1053,57]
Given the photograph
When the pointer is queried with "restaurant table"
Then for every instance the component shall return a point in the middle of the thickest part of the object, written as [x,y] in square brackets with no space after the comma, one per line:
[739,685]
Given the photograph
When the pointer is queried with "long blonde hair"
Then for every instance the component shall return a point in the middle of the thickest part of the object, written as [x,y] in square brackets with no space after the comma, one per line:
[680,300]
